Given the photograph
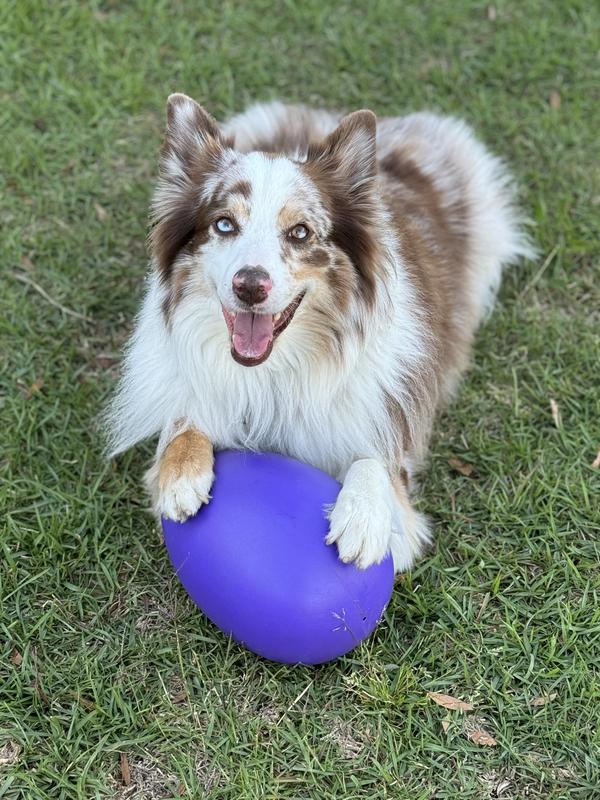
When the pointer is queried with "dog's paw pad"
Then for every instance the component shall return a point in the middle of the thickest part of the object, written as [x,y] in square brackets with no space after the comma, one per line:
[183,497]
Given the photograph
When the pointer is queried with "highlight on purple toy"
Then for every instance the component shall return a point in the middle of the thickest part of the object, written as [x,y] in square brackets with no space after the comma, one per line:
[254,560]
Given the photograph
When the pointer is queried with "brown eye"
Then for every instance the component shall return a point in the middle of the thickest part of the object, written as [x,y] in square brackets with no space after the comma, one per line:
[224,226]
[299,232]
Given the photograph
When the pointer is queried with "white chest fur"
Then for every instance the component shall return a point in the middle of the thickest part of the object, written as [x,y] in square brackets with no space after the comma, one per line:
[327,412]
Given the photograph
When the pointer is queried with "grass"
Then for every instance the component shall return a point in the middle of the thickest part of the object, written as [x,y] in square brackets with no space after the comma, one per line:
[101,652]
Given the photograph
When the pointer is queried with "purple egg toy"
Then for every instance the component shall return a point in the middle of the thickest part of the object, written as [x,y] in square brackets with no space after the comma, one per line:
[254,560]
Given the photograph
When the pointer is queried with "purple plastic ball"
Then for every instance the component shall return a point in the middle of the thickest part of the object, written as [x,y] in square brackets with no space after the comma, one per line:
[255,562]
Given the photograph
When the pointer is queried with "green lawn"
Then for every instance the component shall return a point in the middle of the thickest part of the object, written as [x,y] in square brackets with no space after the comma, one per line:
[102,654]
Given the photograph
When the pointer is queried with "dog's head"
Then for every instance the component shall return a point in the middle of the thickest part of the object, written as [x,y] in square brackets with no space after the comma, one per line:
[269,241]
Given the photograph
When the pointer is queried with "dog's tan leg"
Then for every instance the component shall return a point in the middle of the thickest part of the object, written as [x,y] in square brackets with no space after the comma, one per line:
[181,476]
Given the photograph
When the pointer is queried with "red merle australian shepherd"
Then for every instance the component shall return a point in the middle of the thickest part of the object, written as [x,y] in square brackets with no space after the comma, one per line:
[315,286]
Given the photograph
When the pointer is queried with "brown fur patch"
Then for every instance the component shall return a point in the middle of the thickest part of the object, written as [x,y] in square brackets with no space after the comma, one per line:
[309,263]
[434,251]
[177,288]
[288,217]
[403,476]
[198,148]
[341,280]
[353,233]
[317,257]
[441,287]
[241,187]
[347,190]
[420,198]
[189,453]
[188,215]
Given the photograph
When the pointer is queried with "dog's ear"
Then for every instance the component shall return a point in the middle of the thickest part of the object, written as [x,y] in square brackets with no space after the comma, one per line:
[344,168]
[190,129]
[194,149]
[350,150]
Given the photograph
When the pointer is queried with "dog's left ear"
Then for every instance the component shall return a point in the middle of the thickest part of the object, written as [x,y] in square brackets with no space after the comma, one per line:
[350,151]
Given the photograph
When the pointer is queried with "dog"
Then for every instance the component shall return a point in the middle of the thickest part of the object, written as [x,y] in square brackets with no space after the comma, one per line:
[316,282]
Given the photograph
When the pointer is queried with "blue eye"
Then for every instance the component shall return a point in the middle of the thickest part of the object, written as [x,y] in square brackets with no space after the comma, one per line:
[224,225]
[299,232]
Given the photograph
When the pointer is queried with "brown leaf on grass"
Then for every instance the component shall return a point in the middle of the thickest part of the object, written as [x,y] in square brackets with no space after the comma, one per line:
[479,736]
[492,13]
[35,388]
[555,412]
[27,263]
[125,771]
[596,461]
[445,725]
[16,657]
[461,466]
[101,213]
[474,729]
[544,699]
[554,100]
[106,360]
[449,702]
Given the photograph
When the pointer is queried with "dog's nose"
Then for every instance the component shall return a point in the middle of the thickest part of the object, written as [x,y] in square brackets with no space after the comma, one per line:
[252,285]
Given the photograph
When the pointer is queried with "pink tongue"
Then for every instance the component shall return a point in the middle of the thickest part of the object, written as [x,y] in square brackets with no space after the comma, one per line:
[252,333]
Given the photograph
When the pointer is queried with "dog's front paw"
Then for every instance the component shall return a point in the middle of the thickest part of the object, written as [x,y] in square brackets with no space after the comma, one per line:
[180,477]
[361,527]
[182,497]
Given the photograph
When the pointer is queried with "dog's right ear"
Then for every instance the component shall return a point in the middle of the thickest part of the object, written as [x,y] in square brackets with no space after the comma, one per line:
[186,118]
[194,149]
[190,129]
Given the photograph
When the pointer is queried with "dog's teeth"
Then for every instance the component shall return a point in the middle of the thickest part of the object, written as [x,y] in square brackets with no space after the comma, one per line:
[277,317]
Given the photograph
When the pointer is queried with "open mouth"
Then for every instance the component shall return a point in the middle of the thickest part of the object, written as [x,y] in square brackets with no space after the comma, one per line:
[252,335]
